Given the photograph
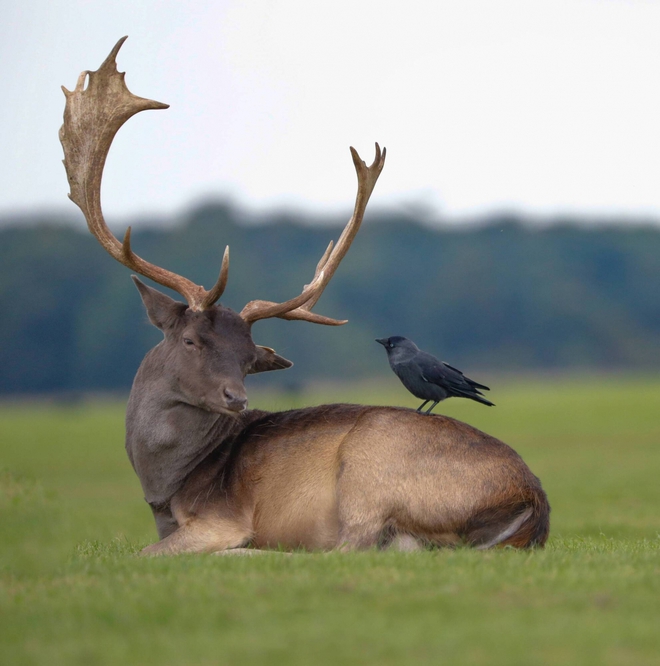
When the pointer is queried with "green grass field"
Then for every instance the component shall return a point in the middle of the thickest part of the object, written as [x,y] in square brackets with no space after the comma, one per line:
[73,591]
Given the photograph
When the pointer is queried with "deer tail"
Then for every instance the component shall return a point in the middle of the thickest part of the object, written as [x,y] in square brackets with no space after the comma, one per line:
[529,527]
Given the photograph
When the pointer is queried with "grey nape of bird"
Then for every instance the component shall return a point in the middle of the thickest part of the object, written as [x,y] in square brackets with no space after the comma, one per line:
[428,378]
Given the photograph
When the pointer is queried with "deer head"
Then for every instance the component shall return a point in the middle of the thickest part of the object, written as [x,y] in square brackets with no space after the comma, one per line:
[210,340]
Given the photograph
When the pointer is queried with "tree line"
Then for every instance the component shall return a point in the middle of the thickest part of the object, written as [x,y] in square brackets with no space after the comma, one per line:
[503,295]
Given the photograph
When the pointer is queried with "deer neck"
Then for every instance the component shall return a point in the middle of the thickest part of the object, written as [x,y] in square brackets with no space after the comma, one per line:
[166,439]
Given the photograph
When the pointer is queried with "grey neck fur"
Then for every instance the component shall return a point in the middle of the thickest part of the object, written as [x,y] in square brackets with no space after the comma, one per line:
[165,437]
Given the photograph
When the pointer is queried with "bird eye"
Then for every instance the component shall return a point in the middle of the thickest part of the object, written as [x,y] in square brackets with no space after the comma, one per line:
[390,345]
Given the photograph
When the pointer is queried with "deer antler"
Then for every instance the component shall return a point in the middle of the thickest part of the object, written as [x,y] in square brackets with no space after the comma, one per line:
[92,118]
[300,306]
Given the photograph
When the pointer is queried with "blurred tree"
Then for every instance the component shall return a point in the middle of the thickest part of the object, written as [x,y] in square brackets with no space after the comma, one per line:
[501,295]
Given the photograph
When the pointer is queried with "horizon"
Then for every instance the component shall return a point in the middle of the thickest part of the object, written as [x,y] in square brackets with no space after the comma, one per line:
[245,215]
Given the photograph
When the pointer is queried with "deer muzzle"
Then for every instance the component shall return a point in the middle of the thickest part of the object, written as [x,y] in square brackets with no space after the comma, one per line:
[229,399]
[236,400]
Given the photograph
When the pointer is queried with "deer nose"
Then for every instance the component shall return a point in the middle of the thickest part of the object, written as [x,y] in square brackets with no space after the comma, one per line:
[235,401]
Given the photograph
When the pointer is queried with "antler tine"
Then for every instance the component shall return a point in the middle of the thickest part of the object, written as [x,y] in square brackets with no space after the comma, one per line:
[214,294]
[92,118]
[300,306]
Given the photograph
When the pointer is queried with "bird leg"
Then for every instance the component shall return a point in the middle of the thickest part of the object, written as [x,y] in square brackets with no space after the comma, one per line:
[419,409]
[430,409]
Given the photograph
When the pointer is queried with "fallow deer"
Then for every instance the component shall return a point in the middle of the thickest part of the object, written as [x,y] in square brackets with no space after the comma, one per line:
[220,477]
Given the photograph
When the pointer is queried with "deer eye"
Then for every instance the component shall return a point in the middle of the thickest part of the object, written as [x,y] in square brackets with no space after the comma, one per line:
[188,342]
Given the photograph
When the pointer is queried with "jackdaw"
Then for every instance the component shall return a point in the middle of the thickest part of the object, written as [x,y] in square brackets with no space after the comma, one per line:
[428,378]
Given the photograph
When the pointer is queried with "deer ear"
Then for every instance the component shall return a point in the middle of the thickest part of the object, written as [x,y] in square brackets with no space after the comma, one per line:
[267,360]
[163,311]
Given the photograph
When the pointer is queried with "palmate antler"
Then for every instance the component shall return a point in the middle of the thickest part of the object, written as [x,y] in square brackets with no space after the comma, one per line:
[92,118]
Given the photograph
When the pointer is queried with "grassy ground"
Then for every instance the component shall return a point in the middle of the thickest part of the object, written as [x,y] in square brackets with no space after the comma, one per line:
[72,518]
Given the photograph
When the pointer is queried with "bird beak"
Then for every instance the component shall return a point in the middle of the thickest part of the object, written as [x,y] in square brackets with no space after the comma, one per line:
[382,341]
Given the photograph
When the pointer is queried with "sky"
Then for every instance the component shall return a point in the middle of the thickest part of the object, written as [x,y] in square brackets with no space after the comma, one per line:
[544,108]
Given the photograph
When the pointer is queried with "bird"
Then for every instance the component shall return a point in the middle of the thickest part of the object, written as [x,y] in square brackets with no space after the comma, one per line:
[427,377]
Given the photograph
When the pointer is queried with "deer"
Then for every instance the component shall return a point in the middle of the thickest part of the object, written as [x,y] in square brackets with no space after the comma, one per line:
[222,478]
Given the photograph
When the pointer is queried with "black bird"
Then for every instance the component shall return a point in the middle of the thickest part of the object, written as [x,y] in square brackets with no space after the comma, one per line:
[428,378]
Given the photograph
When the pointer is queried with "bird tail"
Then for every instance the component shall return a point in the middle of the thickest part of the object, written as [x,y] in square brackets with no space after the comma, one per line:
[475,395]
[479,398]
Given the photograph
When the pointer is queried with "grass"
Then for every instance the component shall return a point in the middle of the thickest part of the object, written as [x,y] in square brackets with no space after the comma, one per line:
[72,519]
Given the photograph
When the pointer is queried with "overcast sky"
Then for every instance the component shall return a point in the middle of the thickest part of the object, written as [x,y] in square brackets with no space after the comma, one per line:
[543,107]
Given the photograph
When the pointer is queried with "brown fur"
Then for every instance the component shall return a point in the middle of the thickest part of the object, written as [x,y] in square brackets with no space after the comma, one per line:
[350,476]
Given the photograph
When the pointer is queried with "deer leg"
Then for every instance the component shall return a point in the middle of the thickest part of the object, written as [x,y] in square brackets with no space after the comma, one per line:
[358,536]
[166,523]
[361,523]
[250,552]
[202,536]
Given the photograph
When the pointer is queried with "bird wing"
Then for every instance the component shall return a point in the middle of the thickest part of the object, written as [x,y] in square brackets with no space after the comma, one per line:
[436,372]
[444,375]
[471,382]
